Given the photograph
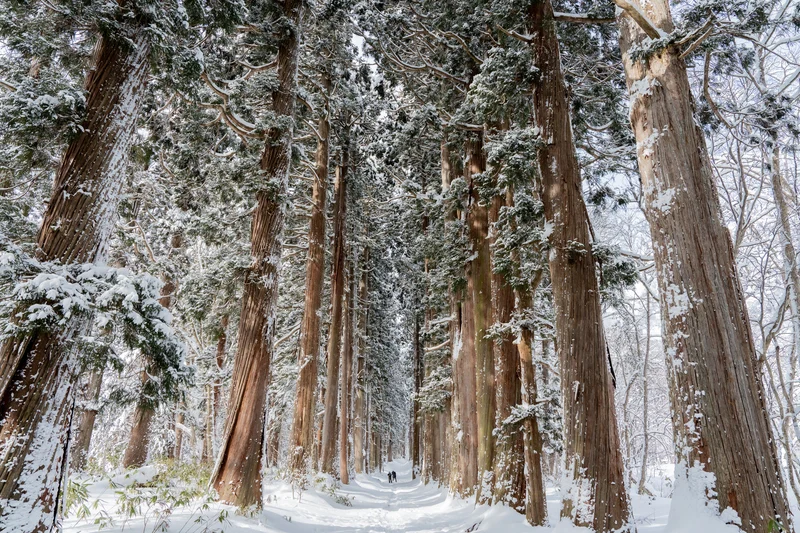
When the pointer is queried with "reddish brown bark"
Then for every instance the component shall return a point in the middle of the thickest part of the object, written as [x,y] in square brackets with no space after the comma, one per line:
[36,370]
[346,380]
[508,461]
[83,436]
[237,476]
[536,503]
[302,439]
[328,450]
[720,418]
[359,414]
[595,493]
[480,284]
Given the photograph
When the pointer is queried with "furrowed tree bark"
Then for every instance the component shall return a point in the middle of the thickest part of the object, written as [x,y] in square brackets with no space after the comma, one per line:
[465,370]
[302,439]
[536,503]
[480,282]
[83,437]
[237,475]
[359,414]
[509,472]
[37,371]
[328,451]
[720,418]
[594,494]
[346,371]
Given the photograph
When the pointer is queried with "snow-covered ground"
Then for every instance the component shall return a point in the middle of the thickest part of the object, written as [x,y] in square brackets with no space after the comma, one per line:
[375,507]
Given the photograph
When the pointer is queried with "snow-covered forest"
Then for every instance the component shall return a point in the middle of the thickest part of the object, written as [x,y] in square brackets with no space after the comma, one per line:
[536,257]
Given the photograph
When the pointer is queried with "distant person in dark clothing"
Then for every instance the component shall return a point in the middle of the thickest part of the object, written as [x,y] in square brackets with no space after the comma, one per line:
[389,475]
[394,476]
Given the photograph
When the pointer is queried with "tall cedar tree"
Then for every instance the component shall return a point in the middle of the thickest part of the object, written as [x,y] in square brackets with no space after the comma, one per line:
[38,371]
[237,475]
[596,495]
[720,417]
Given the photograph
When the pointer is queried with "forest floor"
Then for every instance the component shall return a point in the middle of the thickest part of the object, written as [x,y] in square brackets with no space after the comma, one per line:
[369,504]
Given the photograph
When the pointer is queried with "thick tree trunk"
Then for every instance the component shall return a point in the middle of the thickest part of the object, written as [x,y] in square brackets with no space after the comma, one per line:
[37,371]
[508,461]
[347,374]
[721,421]
[139,439]
[536,503]
[480,283]
[302,439]
[359,414]
[594,492]
[328,451]
[237,476]
[83,439]
[464,375]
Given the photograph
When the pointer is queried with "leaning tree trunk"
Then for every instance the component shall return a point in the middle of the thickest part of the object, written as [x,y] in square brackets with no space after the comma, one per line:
[328,450]
[37,370]
[720,418]
[237,475]
[594,492]
[508,461]
[346,379]
[359,413]
[481,293]
[302,439]
[83,439]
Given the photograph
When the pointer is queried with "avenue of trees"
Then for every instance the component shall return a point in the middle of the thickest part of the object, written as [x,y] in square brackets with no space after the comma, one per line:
[520,242]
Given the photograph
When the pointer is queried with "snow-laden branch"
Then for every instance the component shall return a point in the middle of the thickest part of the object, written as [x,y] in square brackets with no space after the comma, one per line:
[635,12]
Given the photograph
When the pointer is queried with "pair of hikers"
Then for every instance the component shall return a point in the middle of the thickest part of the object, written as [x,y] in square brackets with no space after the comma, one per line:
[392,476]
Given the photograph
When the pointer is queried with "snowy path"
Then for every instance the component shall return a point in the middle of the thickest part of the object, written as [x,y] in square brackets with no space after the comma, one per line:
[407,506]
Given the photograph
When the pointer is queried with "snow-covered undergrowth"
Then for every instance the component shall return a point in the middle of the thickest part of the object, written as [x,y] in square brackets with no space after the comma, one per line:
[141,502]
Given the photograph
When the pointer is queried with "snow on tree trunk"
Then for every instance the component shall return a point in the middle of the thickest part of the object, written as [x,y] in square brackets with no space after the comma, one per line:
[302,439]
[480,282]
[508,461]
[237,475]
[346,378]
[725,448]
[79,451]
[465,382]
[37,371]
[593,492]
[359,414]
[535,503]
[328,451]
